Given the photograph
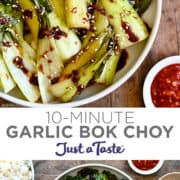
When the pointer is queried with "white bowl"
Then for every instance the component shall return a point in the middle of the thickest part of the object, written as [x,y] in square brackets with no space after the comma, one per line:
[137,54]
[146,172]
[151,75]
[100,167]
[171,176]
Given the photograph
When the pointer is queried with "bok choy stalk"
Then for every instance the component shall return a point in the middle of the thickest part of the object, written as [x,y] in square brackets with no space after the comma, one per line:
[77,14]
[7,83]
[71,77]
[99,25]
[86,73]
[142,5]
[105,74]
[20,65]
[31,19]
[49,61]
[13,9]
[126,22]
[59,8]
[84,56]
[49,67]
[66,40]
[108,69]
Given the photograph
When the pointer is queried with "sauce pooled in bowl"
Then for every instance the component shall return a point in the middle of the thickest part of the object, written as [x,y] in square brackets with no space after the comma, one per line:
[165,88]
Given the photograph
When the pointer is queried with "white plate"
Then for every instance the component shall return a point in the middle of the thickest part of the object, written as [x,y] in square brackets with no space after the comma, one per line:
[137,54]
[146,172]
[151,75]
[100,167]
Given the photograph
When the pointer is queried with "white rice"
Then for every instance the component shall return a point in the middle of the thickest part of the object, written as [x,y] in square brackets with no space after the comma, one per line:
[15,170]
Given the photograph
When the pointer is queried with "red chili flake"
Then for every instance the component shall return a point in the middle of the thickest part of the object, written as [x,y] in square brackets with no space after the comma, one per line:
[51,48]
[81,32]
[49,61]
[18,61]
[39,9]
[44,32]
[3,20]
[57,33]
[33,79]
[40,68]
[74,10]
[54,80]
[27,14]
[44,55]
[111,16]
[92,6]
[6,44]
[92,28]
[99,9]
[85,20]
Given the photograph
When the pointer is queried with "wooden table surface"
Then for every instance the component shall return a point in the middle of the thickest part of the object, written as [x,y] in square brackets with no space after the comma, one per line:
[48,170]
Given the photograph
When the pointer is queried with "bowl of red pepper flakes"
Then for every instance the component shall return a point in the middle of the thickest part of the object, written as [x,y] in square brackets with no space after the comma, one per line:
[145,167]
[162,84]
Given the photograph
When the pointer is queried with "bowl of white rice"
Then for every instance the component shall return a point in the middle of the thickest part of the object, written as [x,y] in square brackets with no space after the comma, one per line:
[16,170]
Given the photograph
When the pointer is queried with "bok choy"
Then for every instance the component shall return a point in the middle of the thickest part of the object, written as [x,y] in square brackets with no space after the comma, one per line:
[53,49]
[20,65]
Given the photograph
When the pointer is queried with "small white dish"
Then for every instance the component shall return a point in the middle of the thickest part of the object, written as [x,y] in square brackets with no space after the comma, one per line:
[146,172]
[171,176]
[152,74]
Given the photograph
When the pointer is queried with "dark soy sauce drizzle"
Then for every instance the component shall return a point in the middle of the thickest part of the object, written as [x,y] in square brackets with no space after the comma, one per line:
[123,60]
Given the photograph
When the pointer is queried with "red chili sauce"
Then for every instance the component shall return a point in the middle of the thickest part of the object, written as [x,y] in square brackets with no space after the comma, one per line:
[145,164]
[165,89]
